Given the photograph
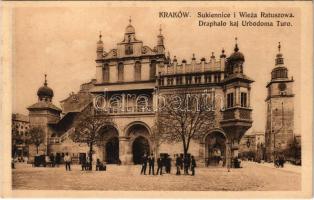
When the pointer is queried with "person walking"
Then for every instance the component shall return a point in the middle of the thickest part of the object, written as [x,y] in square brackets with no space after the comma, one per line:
[83,162]
[67,160]
[159,166]
[58,159]
[151,162]
[186,164]
[144,164]
[193,165]
[52,160]
[178,164]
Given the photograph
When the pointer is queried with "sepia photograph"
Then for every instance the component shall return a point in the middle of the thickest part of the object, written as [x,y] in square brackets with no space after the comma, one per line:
[146,97]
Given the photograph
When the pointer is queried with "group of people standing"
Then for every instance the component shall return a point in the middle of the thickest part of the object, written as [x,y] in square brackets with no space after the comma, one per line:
[182,163]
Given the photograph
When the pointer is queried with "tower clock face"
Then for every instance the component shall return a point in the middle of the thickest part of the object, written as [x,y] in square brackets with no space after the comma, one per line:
[282,86]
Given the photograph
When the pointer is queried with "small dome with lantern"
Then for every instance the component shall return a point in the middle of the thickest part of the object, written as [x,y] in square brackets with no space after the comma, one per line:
[280,71]
[45,92]
[129,29]
[237,55]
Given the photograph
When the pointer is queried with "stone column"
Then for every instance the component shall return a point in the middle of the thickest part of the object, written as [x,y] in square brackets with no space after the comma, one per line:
[202,153]
[249,97]
[228,153]
[238,96]
[123,103]
[125,154]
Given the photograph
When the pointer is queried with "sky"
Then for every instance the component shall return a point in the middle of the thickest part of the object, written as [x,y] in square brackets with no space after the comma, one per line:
[61,42]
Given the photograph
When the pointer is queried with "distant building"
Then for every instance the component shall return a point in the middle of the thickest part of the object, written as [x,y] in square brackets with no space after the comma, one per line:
[20,127]
[279,133]
[252,145]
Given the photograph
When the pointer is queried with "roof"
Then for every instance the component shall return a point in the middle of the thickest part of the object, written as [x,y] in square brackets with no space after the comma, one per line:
[238,76]
[20,117]
[64,124]
[44,105]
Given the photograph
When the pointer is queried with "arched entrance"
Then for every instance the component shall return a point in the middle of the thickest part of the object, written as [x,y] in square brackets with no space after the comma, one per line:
[139,141]
[215,149]
[110,144]
[112,151]
[139,148]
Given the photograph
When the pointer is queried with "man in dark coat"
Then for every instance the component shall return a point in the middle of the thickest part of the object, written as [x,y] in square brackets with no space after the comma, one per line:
[151,162]
[144,164]
[178,164]
[83,162]
[193,165]
[52,160]
[186,163]
[159,166]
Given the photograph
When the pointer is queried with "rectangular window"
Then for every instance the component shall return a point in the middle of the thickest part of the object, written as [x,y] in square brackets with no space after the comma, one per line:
[105,73]
[120,72]
[208,78]
[188,79]
[138,70]
[243,99]
[197,79]
[128,49]
[152,71]
[169,81]
[179,80]
[217,78]
[161,81]
[230,100]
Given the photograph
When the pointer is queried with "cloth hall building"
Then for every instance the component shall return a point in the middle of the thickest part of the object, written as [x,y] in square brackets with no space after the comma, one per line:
[131,68]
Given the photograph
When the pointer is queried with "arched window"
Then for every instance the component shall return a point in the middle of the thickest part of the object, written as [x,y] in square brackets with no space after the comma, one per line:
[152,70]
[120,72]
[105,73]
[137,69]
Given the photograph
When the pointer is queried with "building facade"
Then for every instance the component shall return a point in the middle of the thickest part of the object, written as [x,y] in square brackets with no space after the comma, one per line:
[20,127]
[279,132]
[131,76]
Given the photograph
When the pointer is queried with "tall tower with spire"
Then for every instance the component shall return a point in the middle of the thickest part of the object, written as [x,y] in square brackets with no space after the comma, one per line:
[43,114]
[100,47]
[160,42]
[280,109]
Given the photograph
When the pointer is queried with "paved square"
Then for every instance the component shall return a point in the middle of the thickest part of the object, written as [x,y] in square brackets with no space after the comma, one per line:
[252,177]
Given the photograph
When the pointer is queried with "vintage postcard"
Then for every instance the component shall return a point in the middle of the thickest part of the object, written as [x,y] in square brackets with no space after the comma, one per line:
[156,99]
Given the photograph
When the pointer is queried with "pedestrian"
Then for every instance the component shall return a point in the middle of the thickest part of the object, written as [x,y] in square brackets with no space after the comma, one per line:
[181,162]
[67,160]
[193,165]
[144,164]
[52,160]
[88,164]
[281,160]
[159,166]
[98,165]
[178,164]
[151,162]
[186,164]
[169,164]
[58,159]
[12,163]
[83,162]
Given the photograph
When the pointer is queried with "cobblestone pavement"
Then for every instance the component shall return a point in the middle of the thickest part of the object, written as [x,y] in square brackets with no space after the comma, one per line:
[252,177]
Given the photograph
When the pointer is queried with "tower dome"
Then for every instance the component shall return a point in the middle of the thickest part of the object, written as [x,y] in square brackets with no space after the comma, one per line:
[237,55]
[45,92]
[235,61]
[129,29]
[280,71]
